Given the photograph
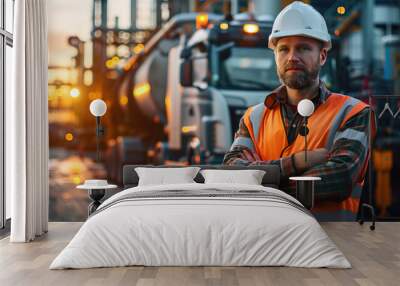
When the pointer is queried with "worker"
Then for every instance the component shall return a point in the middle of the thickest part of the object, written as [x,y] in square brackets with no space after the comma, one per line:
[338,137]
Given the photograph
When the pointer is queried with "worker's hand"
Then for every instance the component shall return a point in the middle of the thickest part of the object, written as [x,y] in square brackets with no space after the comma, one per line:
[250,156]
[314,157]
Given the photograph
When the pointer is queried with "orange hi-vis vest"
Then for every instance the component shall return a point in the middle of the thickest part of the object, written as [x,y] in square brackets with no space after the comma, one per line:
[269,138]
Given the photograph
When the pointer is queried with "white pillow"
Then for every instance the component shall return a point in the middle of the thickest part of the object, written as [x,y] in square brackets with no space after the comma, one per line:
[249,177]
[163,176]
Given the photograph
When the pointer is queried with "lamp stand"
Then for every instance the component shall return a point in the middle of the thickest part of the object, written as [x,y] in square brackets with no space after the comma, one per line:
[304,132]
[99,133]
[305,138]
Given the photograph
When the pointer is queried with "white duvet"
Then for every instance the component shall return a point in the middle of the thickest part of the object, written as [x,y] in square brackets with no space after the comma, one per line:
[200,231]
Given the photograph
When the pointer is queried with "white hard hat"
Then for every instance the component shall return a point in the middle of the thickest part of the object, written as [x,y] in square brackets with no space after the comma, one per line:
[299,19]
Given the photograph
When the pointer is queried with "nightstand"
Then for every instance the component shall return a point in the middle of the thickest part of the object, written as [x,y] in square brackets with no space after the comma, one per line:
[305,190]
[97,190]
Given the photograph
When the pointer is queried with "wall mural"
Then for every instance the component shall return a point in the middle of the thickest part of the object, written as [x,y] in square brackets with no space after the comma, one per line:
[123,91]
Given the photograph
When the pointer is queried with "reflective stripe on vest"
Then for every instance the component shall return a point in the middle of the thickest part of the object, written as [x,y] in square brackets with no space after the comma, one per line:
[243,141]
[268,134]
[256,117]
[347,111]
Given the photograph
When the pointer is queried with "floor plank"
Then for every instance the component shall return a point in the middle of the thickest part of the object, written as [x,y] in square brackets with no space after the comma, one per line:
[374,255]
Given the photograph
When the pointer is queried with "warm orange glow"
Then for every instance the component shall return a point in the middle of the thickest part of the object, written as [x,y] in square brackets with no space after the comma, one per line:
[138,48]
[115,59]
[113,62]
[123,100]
[189,128]
[63,117]
[112,74]
[88,77]
[224,26]
[69,137]
[141,89]
[168,106]
[251,28]
[201,21]
[74,92]
[341,10]
[93,95]
[75,167]
[109,64]
[76,180]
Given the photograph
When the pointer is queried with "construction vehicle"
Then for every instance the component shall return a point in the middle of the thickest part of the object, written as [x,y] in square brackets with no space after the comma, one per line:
[195,87]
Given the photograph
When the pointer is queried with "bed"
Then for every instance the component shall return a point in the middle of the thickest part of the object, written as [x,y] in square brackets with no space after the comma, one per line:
[201,224]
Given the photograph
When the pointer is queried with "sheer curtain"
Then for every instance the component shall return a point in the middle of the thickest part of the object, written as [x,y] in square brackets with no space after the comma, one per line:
[27,124]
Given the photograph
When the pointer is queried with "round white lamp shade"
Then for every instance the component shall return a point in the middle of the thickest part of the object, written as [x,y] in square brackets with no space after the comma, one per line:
[98,107]
[305,107]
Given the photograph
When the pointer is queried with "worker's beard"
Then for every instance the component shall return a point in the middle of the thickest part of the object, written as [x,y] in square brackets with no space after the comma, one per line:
[301,79]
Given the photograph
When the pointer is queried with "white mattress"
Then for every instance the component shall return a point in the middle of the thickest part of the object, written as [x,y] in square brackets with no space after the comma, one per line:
[200,231]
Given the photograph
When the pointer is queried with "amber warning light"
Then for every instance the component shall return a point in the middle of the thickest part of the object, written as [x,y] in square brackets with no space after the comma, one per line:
[224,26]
[251,28]
[141,89]
[201,21]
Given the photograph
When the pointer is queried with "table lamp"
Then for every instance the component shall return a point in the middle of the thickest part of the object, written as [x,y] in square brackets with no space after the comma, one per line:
[305,185]
[98,108]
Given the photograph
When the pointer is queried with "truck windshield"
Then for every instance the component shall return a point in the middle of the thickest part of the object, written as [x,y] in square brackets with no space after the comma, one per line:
[246,68]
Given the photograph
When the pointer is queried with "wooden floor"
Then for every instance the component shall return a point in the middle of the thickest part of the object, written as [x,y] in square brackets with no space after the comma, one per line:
[375,256]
